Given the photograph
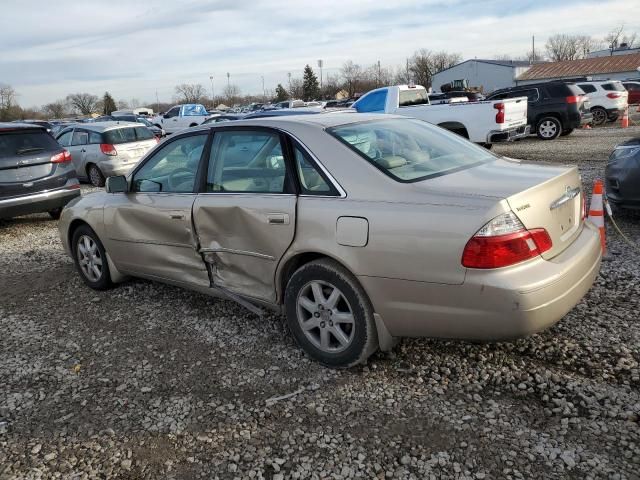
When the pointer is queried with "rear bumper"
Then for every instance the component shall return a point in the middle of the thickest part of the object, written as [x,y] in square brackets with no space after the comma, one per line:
[39,202]
[493,304]
[508,135]
[110,168]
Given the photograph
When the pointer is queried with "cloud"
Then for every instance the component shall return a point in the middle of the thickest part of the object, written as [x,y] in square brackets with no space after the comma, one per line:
[133,49]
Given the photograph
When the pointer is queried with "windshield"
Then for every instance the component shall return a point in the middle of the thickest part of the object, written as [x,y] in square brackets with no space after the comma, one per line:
[410,150]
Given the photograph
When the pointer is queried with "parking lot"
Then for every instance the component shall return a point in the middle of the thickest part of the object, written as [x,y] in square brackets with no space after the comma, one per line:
[151,381]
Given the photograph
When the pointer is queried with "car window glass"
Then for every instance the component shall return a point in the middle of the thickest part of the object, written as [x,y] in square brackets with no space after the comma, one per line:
[174,112]
[80,138]
[172,168]
[95,137]
[191,110]
[143,133]
[587,88]
[559,90]
[312,182]
[613,87]
[120,135]
[65,138]
[246,161]
[25,143]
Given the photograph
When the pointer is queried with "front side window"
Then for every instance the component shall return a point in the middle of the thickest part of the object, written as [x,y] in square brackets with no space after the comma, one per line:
[173,168]
[532,95]
[245,161]
[410,150]
[80,138]
[173,112]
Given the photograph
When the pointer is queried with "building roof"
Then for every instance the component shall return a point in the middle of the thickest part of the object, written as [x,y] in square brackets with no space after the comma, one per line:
[500,63]
[581,68]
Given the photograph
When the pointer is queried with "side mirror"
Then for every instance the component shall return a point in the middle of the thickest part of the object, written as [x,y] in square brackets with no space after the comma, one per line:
[117,184]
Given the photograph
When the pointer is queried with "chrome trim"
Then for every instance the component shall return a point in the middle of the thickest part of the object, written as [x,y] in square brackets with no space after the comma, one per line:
[151,242]
[237,252]
[569,195]
[39,196]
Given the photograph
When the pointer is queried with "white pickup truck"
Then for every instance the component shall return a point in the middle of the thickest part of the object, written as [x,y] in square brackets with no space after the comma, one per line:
[484,122]
[180,117]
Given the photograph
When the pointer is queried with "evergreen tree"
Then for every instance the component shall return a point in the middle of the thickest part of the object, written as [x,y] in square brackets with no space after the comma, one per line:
[109,104]
[281,94]
[310,86]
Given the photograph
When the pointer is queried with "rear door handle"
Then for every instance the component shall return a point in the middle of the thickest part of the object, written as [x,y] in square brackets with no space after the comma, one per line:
[278,218]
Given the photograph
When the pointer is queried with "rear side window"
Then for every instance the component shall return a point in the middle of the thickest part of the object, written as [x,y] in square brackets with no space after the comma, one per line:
[120,135]
[587,88]
[559,90]
[94,138]
[374,102]
[312,180]
[143,133]
[613,87]
[26,143]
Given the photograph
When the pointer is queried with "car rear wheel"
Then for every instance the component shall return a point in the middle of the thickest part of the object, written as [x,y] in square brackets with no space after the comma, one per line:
[566,132]
[599,115]
[330,315]
[55,213]
[548,128]
[90,258]
[95,176]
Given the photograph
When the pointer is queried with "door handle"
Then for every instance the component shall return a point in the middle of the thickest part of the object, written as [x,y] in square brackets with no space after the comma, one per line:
[278,218]
[83,150]
[176,217]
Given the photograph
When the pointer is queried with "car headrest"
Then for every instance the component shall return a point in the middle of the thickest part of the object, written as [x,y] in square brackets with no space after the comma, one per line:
[391,161]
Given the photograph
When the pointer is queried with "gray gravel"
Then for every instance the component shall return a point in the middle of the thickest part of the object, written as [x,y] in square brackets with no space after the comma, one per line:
[150,381]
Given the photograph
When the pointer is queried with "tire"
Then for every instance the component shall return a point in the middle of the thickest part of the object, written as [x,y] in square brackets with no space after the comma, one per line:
[95,175]
[599,116]
[83,242]
[333,343]
[55,213]
[548,128]
[566,132]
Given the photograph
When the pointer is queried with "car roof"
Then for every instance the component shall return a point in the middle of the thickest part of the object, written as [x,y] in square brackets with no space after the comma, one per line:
[4,126]
[103,126]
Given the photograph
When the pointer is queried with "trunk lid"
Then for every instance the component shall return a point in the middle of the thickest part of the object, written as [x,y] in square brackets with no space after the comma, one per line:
[132,152]
[515,111]
[542,196]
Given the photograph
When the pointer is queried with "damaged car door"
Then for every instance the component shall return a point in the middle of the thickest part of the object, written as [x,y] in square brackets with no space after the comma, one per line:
[150,230]
[245,218]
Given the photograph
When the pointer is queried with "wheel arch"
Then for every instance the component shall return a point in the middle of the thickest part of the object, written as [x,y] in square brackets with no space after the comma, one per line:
[455,127]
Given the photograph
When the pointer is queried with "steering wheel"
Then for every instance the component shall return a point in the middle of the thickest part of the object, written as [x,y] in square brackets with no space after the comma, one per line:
[173,181]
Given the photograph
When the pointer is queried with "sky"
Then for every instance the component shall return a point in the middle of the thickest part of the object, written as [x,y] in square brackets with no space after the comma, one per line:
[134,49]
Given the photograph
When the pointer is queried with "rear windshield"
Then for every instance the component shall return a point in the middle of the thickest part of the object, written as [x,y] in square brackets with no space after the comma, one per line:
[614,87]
[127,135]
[410,150]
[17,144]
[413,96]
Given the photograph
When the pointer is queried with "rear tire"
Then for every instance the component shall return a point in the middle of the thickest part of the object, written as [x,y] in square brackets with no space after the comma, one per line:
[90,258]
[548,128]
[330,315]
[95,175]
[566,132]
[599,116]
[55,213]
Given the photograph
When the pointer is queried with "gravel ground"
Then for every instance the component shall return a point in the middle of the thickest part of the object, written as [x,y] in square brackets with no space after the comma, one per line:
[150,381]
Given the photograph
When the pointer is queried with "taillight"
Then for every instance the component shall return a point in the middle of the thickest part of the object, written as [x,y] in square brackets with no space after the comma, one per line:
[62,157]
[500,114]
[614,95]
[108,149]
[504,241]
[574,99]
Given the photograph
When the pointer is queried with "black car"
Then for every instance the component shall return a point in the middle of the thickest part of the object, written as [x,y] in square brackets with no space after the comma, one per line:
[554,108]
[36,173]
[622,175]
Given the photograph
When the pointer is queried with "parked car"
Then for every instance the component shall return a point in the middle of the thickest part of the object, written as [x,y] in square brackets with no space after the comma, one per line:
[180,117]
[361,228]
[36,174]
[554,108]
[608,100]
[103,149]
[482,123]
[224,118]
[622,175]
[125,117]
[48,126]
[633,89]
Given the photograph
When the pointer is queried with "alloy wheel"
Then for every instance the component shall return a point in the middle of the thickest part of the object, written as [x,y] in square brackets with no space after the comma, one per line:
[548,129]
[89,258]
[95,176]
[599,116]
[325,317]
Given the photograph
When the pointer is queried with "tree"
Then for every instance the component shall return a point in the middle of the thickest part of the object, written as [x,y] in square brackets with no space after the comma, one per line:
[108,104]
[352,75]
[8,102]
[310,85]
[231,94]
[281,94]
[295,89]
[190,93]
[562,47]
[85,103]
[616,37]
[57,109]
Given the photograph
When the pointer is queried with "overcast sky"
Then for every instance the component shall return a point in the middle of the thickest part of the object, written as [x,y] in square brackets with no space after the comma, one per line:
[132,49]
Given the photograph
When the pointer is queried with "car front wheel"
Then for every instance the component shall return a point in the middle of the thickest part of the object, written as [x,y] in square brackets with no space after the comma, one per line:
[548,128]
[330,315]
[599,115]
[90,258]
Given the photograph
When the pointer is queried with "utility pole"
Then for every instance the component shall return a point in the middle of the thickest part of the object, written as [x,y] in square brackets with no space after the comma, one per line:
[289,75]
[264,94]
[212,95]
[320,64]
[533,48]
[379,75]
[228,79]
[157,102]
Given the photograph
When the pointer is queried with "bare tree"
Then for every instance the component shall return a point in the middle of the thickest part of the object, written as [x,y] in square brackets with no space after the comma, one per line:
[351,74]
[231,94]
[190,93]
[563,47]
[403,74]
[534,56]
[616,37]
[85,103]
[296,91]
[587,44]
[9,108]
[57,109]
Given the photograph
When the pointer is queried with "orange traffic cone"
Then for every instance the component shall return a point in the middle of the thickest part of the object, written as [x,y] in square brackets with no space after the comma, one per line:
[624,123]
[596,213]
[586,126]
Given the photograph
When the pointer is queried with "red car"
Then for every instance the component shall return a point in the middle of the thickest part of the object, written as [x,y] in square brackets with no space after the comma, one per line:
[634,92]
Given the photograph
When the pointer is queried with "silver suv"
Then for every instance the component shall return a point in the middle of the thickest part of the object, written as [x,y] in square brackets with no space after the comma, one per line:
[104,149]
